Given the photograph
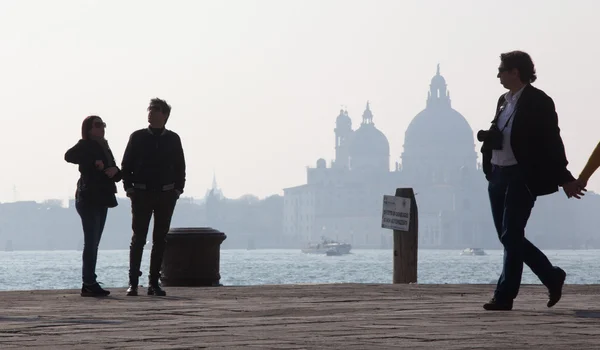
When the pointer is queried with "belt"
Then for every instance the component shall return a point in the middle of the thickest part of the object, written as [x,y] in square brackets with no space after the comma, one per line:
[504,166]
[163,188]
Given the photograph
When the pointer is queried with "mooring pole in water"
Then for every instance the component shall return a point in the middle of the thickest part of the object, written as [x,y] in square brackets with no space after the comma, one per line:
[406,243]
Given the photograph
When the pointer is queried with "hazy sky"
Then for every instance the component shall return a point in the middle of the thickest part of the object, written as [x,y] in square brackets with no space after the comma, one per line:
[256,85]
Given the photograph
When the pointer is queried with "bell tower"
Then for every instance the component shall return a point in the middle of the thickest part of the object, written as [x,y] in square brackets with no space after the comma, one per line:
[343,131]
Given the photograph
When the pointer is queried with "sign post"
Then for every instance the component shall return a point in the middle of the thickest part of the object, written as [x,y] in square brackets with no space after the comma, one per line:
[401,215]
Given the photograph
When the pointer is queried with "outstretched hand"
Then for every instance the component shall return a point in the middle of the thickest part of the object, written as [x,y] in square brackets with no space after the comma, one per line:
[575,188]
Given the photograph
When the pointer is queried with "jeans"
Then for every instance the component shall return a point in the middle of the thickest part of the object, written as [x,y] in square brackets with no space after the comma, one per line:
[93,219]
[511,202]
[143,205]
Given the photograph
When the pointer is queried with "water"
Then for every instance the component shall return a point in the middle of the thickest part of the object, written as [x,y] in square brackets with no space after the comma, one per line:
[28,270]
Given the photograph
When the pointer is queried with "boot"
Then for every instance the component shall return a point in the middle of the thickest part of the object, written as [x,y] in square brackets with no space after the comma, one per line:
[155,289]
[132,291]
[94,290]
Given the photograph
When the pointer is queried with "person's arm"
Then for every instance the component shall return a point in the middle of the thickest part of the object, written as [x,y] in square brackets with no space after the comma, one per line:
[486,153]
[80,154]
[554,143]
[179,167]
[118,175]
[591,166]
[127,165]
[556,150]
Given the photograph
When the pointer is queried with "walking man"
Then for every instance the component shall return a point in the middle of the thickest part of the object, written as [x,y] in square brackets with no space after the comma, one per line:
[153,170]
[523,157]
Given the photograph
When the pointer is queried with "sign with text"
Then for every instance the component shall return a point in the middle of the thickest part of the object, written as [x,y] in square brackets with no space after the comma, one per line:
[396,213]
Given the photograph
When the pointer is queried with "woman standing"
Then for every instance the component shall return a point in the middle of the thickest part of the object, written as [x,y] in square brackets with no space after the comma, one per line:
[95,194]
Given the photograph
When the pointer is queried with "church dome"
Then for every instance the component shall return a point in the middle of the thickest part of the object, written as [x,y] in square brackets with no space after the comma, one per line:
[367,140]
[439,129]
[443,129]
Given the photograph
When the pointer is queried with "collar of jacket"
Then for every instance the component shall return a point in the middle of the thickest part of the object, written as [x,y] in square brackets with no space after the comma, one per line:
[161,134]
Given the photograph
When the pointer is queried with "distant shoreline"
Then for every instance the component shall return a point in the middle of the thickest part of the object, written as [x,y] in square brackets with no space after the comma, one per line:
[297,249]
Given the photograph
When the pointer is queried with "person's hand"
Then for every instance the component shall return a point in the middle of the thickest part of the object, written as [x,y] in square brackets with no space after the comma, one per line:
[574,189]
[99,165]
[112,171]
[582,181]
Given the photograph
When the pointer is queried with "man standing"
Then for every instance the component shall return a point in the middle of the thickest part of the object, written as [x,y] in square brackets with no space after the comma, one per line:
[523,157]
[153,170]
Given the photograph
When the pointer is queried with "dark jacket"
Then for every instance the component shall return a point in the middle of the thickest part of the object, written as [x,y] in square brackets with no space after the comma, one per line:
[93,186]
[536,143]
[154,161]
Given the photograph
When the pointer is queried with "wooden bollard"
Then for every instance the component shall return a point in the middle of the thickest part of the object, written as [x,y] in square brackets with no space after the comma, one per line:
[401,215]
[406,243]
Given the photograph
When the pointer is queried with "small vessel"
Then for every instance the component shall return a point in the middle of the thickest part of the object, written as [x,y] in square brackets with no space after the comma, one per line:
[326,245]
[333,252]
[473,251]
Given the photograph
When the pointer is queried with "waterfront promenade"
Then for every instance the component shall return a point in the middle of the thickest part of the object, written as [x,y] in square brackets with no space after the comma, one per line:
[329,316]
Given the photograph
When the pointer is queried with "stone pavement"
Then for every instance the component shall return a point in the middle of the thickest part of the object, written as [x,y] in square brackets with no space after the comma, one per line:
[330,316]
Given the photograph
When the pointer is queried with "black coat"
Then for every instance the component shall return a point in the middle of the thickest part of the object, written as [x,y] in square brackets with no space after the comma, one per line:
[94,187]
[154,160]
[536,143]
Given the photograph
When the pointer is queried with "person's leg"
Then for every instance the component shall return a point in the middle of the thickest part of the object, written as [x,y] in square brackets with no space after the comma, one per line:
[162,221]
[497,193]
[93,219]
[141,213]
[88,221]
[518,203]
[100,214]
[538,263]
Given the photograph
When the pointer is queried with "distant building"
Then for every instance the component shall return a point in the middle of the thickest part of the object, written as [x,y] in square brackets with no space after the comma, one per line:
[343,201]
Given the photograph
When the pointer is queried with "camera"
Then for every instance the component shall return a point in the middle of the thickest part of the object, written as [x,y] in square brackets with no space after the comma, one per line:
[492,138]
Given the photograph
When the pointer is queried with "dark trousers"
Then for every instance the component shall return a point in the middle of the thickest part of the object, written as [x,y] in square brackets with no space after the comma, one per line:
[143,205]
[93,219]
[511,202]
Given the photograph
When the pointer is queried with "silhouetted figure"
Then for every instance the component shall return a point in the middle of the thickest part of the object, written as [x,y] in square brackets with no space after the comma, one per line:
[95,194]
[154,177]
[523,157]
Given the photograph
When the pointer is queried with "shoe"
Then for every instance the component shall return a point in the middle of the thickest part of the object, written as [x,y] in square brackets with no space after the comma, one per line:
[93,290]
[555,292]
[498,305]
[132,291]
[155,289]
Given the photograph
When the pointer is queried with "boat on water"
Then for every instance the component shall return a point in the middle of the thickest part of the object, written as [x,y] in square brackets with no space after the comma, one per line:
[335,248]
[333,252]
[473,252]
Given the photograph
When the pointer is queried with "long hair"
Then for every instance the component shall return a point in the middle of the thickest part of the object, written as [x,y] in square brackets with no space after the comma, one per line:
[87,125]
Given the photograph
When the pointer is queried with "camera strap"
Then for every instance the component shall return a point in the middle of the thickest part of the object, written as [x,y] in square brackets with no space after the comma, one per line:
[509,118]
[500,111]
[495,121]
